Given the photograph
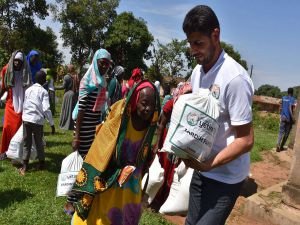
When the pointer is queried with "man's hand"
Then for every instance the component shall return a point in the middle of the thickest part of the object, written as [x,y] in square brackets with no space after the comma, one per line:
[52,129]
[199,166]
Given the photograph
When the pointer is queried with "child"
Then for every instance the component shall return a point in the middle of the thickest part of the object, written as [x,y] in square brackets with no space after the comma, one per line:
[36,108]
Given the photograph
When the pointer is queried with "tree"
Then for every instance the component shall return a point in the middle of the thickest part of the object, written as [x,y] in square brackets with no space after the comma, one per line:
[84,24]
[4,57]
[234,54]
[19,31]
[269,90]
[128,40]
[168,60]
[17,18]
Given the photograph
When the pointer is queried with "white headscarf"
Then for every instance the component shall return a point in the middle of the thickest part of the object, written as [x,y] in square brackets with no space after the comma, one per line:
[19,56]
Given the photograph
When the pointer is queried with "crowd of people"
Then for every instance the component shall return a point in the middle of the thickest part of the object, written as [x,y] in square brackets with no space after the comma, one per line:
[121,119]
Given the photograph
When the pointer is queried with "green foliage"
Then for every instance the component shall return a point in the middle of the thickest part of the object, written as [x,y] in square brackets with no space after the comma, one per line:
[234,54]
[84,24]
[269,90]
[128,40]
[4,57]
[150,218]
[19,31]
[17,19]
[153,74]
[266,126]
[170,59]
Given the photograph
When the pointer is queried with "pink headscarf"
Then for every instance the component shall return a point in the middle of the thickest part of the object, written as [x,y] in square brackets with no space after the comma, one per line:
[136,94]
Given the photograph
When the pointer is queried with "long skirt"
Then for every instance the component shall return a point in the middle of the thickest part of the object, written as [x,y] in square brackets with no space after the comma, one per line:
[12,122]
[117,205]
[66,122]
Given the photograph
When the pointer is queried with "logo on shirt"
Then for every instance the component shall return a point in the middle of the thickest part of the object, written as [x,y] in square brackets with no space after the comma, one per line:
[215,91]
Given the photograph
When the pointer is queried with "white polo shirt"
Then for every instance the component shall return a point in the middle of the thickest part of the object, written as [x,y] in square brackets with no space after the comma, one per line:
[235,95]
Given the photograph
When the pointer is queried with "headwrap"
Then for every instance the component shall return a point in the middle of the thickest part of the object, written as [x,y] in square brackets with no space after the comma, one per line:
[19,56]
[136,77]
[182,88]
[10,73]
[94,80]
[117,71]
[36,67]
[101,168]
[136,94]
[157,85]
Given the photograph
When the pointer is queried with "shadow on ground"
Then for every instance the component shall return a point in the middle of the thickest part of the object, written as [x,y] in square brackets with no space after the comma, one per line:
[15,195]
[53,162]
[249,187]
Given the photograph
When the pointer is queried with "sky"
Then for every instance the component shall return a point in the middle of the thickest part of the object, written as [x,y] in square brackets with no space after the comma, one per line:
[265,32]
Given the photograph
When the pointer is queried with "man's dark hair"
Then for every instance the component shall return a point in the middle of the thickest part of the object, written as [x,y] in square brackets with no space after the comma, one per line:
[290,91]
[40,77]
[201,19]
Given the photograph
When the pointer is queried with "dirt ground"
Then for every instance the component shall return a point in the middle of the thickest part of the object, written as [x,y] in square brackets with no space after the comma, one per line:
[273,169]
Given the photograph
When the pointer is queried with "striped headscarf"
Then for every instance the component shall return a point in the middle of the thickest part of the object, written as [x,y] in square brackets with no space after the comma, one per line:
[94,80]
[117,71]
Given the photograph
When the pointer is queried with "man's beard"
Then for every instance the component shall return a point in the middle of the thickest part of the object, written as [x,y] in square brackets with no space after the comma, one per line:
[209,57]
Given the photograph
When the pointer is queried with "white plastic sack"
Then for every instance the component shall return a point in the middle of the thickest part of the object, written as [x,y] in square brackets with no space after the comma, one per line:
[193,125]
[15,148]
[177,202]
[181,170]
[156,179]
[70,167]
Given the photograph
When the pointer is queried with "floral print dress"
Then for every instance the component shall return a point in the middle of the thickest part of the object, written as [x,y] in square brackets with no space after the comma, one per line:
[120,205]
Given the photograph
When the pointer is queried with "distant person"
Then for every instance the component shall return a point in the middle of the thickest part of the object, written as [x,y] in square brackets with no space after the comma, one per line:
[286,118]
[157,85]
[115,84]
[71,87]
[136,77]
[33,60]
[36,109]
[167,94]
[217,182]
[16,77]
[168,161]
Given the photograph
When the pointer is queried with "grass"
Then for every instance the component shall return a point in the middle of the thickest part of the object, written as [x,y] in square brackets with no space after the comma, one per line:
[30,200]
[266,128]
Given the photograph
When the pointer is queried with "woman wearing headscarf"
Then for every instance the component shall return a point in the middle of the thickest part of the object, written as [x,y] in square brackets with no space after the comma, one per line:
[110,179]
[136,76]
[115,84]
[168,162]
[16,77]
[71,87]
[91,100]
[34,62]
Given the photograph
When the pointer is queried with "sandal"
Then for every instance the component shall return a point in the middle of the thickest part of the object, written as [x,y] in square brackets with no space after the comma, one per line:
[69,209]
[22,171]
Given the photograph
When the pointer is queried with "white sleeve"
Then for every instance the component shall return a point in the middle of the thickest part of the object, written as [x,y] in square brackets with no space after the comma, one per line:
[238,100]
[46,108]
